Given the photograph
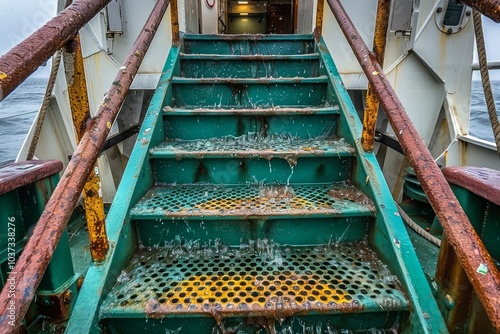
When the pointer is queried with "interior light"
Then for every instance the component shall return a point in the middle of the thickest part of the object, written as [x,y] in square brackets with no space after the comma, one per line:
[243,2]
[244,14]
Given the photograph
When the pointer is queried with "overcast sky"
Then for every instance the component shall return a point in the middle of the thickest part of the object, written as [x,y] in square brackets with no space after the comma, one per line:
[19,18]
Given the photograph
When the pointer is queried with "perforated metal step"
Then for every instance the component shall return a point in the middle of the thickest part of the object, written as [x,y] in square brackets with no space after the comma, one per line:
[253,146]
[256,279]
[224,202]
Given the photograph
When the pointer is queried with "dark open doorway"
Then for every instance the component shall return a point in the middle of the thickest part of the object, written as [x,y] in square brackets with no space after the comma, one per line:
[260,17]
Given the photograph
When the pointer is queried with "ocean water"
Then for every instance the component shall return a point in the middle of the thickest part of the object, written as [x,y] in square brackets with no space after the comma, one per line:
[19,109]
[17,113]
[480,125]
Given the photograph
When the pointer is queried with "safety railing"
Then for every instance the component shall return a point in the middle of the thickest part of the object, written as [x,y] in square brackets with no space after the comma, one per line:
[459,232]
[15,67]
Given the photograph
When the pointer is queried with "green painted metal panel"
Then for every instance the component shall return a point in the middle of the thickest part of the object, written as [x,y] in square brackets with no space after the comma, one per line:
[286,126]
[249,93]
[246,45]
[242,171]
[250,67]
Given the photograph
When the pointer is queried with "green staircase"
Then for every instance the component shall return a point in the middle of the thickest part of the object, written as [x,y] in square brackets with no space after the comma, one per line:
[248,206]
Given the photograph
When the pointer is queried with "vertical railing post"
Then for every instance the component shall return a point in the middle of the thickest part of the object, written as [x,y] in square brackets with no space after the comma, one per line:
[80,111]
[318,30]
[38,251]
[372,102]
[174,14]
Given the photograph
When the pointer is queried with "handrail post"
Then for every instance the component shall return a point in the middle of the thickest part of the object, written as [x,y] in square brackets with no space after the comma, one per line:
[459,232]
[80,110]
[318,30]
[174,14]
[38,251]
[372,103]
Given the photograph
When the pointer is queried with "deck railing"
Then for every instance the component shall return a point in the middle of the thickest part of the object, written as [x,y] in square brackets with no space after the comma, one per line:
[459,232]
[38,251]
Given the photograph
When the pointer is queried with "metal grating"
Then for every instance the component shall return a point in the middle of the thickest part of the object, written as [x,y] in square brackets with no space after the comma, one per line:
[254,145]
[255,279]
[248,201]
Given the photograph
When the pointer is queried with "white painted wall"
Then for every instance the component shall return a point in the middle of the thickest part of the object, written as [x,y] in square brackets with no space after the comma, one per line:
[209,16]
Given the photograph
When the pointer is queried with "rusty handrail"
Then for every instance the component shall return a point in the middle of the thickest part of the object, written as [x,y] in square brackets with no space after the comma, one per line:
[459,232]
[489,8]
[38,251]
[23,59]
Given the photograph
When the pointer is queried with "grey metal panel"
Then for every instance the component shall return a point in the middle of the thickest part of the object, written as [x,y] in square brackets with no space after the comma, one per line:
[192,16]
[401,12]
[114,14]
[305,17]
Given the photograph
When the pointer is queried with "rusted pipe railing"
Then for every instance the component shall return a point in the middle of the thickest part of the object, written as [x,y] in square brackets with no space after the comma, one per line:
[22,60]
[37,254]
[372,103]
[489,8]
[80,112]
[459,232]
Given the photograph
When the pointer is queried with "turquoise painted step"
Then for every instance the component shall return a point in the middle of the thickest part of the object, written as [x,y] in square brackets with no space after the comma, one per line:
[183,285]
[253,147]
[204,124]
[203,202]
[250,93]
[253,66]
[249,44]
[290,169]
[236,161]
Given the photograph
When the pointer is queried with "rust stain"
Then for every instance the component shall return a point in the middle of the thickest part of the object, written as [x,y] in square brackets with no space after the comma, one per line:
[372,102]
[20,174]
[80,111]
[174,14]
[318,30]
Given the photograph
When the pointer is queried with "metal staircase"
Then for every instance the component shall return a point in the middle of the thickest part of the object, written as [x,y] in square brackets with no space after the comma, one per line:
[249,206]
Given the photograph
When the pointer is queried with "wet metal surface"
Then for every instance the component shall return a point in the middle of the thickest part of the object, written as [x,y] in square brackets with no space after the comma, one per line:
[174,14]
[20,174]
[80,111]
[40,247]
[461,235]
[490,8]
[333,110]
[268,147]
[372,103]
[253,201]
[260,278]
[481,181]
[22,60]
